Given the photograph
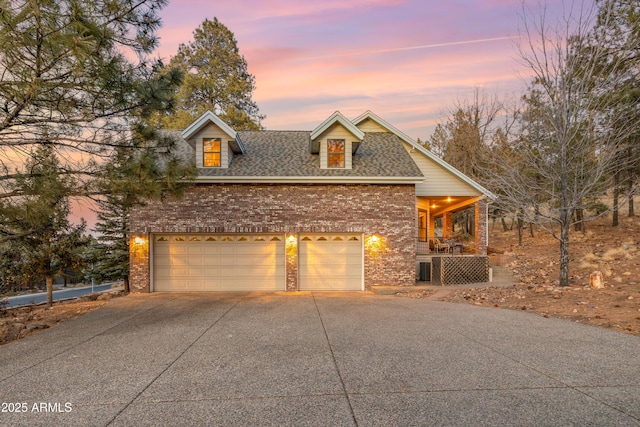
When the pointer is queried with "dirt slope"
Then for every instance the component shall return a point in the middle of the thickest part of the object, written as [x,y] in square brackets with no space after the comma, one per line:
[615,251]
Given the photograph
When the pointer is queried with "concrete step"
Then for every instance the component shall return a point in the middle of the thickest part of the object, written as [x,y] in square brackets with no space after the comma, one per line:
[502,274]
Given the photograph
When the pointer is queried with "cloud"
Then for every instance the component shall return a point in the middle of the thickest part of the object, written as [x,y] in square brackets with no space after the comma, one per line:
[403,59]
[400,49]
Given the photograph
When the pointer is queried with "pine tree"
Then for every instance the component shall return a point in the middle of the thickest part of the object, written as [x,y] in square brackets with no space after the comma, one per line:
[618,31]
[55,244]
[127,182]
[215,78]
[112,252]
[76,76]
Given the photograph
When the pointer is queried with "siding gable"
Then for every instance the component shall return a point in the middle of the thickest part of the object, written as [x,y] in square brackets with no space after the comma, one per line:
[369,125]
[440,177]
[438,181]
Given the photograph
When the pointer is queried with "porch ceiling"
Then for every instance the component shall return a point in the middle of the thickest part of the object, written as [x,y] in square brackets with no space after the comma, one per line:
[437,205]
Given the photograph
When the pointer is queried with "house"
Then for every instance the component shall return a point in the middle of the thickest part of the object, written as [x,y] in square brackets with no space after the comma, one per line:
[346,206]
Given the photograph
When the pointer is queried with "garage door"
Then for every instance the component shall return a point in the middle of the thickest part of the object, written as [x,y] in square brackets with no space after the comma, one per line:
[330,262]
[218,262]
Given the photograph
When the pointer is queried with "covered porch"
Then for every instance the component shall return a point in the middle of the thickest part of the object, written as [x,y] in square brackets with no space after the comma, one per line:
[451,225]
[451,243]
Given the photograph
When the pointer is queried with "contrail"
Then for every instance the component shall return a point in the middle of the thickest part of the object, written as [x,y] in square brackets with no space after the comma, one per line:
[426,46]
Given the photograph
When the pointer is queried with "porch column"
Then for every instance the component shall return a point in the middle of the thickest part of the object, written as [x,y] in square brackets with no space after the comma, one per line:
[480,211]
[447,225]
[432,225]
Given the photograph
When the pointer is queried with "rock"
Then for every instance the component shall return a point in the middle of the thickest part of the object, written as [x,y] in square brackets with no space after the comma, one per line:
[596,280]
[540,289]
[33,326]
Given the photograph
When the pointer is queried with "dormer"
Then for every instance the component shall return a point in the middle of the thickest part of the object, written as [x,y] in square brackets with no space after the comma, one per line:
[336,140]
[213,140]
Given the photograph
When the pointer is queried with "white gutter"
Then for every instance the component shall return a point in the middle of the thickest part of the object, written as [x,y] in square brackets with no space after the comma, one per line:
[309,179]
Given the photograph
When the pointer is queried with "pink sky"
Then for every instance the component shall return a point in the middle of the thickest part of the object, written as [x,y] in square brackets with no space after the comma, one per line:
[406,60]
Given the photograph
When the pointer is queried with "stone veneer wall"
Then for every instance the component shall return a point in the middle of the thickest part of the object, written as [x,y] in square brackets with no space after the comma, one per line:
[387,211]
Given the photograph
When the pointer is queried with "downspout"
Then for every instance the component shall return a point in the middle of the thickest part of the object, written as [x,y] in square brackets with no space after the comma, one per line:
[486,220]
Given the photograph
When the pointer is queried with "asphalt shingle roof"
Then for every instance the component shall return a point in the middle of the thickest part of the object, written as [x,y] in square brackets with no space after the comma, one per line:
[287,154]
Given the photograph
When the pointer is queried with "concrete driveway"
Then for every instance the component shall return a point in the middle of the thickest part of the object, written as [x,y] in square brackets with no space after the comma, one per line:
[318,359]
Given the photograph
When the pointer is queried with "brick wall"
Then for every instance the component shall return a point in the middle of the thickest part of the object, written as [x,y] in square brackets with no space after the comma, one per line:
[387,211]
[480,211]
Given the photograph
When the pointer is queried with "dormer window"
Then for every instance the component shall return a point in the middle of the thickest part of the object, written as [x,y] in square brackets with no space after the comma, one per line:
[335,153]
[205,136]
[211,152]
[336,140]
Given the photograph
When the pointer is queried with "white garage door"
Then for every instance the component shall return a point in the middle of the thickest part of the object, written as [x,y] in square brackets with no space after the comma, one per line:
[218,262]
[330,262]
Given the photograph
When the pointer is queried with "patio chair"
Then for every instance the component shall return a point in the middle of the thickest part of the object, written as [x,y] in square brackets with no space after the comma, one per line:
[441,245]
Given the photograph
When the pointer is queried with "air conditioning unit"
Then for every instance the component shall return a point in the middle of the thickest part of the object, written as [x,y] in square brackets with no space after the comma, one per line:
[425,271]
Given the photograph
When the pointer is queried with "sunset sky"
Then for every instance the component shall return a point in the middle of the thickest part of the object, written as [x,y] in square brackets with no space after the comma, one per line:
[406,60]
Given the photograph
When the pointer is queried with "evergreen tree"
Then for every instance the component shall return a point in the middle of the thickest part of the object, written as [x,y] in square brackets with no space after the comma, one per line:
[215,78]
[55,244]
[618,82]
[112,249]
[127,182]
[68,80]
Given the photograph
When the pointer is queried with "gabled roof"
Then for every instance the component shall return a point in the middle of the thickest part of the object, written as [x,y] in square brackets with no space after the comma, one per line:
[336,117]
[283,156]
[209,117]
[404,137]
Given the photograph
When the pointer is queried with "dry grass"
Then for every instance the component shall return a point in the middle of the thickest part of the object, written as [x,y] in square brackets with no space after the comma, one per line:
[618,253]
[585,265]
[589,261]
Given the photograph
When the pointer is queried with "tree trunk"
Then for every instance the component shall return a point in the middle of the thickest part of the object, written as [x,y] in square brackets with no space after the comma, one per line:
[504,224]
[630,182]
[564,247]
[49,280]
[125,279]
[531,229]
[520,230]
[630,198]
[616,183]
[580,225]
